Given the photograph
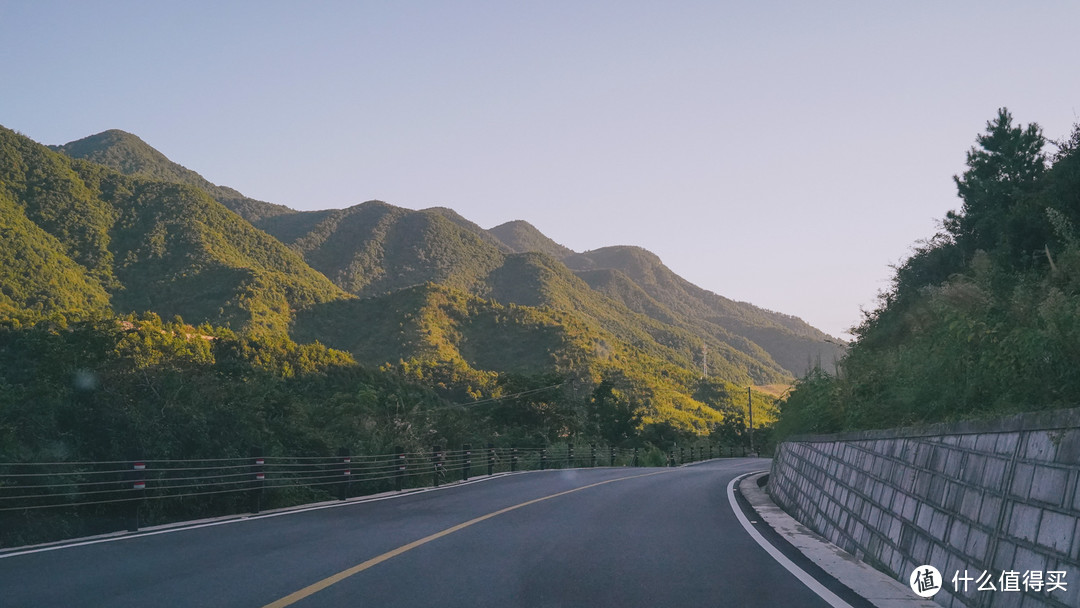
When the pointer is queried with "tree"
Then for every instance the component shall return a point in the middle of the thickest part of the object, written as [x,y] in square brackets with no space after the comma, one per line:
[1003,168]
[612,416]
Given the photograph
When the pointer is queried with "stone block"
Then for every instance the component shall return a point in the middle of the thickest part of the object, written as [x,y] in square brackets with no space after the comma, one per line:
[939,524]
[935,492]
[1048,485]
[1056,531]
[976,544]
[1026,559]
[1039,446]
[938,555]
[970,504]
[907,538]
[875,492]
[896,564]
[874,521]
[937,459]
[922,454]
[985,442]
[953,462]
[920,549]
[1021,480]
[990,511]
[887,494]
[910,506]
[1006,443]
[924,515]
[1068,449]
[968,441]
[973,469]
[1024,522]
[959,534]
[895,526]
[1004,557]
[954,497]
[922,483]
[994,473]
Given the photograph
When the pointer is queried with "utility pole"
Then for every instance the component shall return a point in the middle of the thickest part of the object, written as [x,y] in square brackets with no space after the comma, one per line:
[750,408]
[704,360]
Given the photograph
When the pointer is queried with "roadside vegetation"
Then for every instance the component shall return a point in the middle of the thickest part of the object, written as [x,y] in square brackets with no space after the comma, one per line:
[983,319]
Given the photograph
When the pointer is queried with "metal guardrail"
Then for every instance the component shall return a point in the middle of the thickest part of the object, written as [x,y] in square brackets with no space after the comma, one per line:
[127,485]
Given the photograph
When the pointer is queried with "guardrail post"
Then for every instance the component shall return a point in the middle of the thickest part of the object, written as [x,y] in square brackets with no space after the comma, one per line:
[543,458]
[613,456]
[258,478]
[137,476]
[569,455]
[682,455]
[436,464]
[592,459]
[710,451]
[671,458]
[635,457]
[399,475]
[345,465]
[491,458]
[513,459]
[467,455]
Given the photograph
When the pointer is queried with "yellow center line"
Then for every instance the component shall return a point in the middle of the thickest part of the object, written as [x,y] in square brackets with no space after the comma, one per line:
[314,588]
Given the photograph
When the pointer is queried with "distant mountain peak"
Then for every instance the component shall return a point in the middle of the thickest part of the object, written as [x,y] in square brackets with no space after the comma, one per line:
[522,237]
[130,155]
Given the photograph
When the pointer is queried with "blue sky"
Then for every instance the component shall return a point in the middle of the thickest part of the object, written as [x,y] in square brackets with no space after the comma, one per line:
[781,153]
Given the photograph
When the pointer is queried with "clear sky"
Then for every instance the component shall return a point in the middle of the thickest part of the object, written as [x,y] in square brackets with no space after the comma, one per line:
[780,153]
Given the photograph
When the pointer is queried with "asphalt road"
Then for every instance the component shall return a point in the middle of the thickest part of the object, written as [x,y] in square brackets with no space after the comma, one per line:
[647,537]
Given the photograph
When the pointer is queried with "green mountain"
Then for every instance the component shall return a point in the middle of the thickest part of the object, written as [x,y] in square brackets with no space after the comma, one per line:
[143,245]
[790,341]
[36,273]
[466,346]
[375,248]
[534,279]
[437,270]
[522,237]
[638,279]
[130,155]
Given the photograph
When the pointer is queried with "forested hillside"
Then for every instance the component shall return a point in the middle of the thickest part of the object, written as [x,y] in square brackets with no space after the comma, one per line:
[146,245]
[984,317]
[99,257]
[374,248]
[130,155]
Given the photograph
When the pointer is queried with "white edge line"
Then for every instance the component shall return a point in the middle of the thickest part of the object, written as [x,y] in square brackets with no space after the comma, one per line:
[782,559]
[251,517]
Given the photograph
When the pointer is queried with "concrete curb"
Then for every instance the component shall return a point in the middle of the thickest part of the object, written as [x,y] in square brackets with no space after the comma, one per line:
[877,588]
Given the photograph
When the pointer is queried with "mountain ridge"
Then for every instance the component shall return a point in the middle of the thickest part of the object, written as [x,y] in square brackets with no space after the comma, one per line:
[374,248]
[153,245]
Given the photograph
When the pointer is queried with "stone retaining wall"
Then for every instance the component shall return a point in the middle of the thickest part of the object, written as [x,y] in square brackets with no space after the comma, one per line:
[998,496]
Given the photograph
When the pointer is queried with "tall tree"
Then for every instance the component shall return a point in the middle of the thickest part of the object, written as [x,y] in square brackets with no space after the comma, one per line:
[1003,169]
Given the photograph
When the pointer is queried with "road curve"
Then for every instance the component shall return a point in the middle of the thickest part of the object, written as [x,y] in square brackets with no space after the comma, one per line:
[585,537]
